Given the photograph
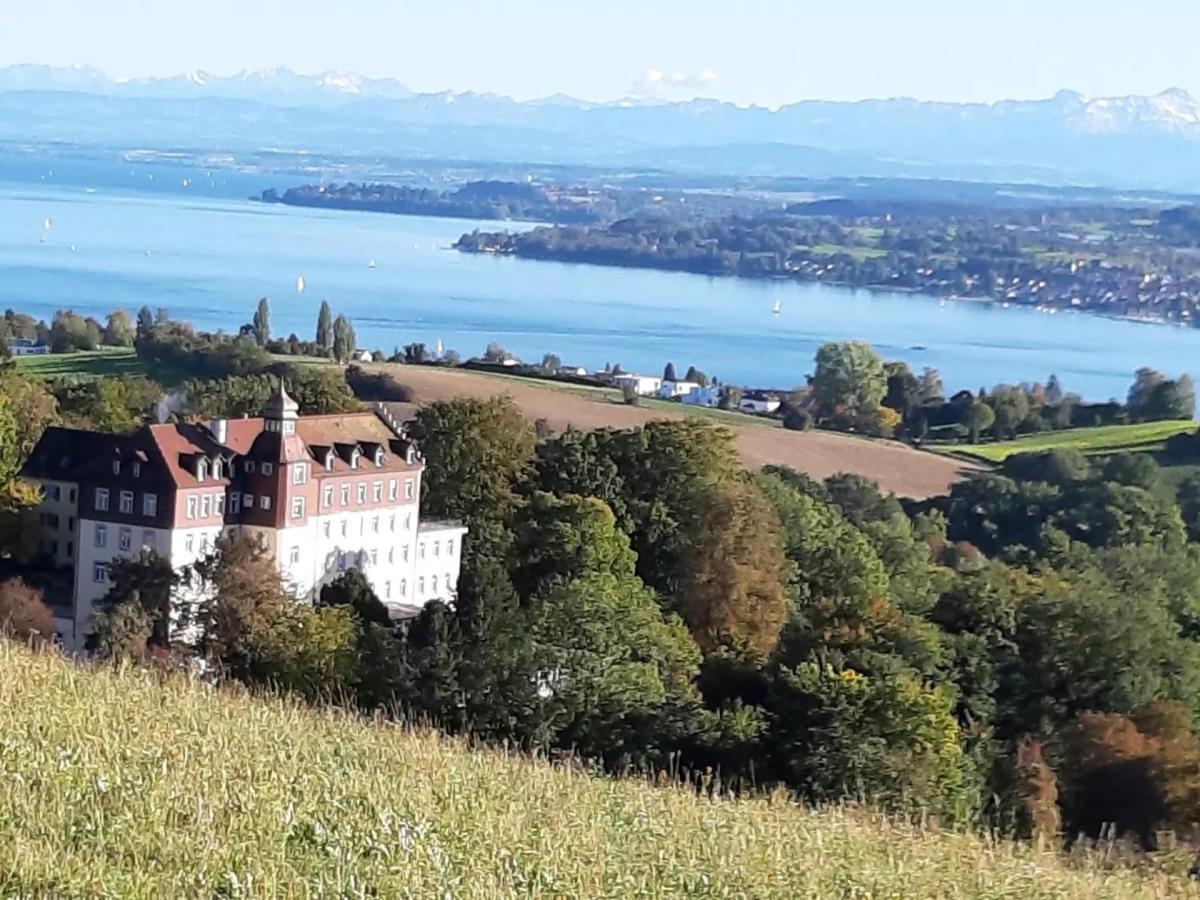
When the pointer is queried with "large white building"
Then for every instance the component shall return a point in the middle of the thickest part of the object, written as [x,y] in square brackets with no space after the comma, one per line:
[323,494]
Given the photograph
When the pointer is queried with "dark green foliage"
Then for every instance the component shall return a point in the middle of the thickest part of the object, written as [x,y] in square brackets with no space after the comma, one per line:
[353,590]
[262,322]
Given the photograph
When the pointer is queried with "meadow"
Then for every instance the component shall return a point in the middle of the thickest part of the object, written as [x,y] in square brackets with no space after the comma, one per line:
[126,784]
[1141,437]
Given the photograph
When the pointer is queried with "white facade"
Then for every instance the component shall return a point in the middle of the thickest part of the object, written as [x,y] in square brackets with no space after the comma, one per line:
[703,396]
[670,390]
[759,405]
[642,385]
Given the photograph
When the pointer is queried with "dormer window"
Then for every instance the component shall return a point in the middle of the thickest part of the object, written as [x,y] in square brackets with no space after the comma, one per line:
[116,467]
[249,465]
[379,456]
[201,468]
[354,455]
[328,460]
[410,455]
[216,467]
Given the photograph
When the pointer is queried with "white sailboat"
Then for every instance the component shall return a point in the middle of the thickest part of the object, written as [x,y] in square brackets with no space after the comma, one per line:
[299,284]
[371,264]
[46,224]
[777,308]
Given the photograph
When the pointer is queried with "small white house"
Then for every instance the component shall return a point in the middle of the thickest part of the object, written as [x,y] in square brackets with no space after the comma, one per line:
[642,385]
[26,347]
[759,402]
[703,396]
[671,390]
[577,371]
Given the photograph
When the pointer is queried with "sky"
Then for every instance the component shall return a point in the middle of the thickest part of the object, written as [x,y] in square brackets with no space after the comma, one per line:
[767,52]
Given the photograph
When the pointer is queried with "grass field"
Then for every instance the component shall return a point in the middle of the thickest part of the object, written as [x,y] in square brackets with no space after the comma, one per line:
[1147,436]
[121,785]
[90,364]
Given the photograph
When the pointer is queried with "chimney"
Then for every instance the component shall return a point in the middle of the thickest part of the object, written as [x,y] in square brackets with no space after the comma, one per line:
[219,429]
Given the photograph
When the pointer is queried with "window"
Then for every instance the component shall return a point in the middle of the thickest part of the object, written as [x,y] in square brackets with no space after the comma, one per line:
[53,492]
[392,489]
[449,548]
[327,495]
[191,509]
[391,555]
[205,506]
[298,508]
[249,465]
[392,523]
[126,502]
[70,549]
[345,495]
[102,499]
[328,460]
[299,474]
[374,557]
[125,539]
[377,491]
[147,539]
[408,488]
[421,586]
[101,536]
[137,470]
[294,555]
[375,524]
[362,492]
[189,542]
[448,581]
[201,469]
[264,502]
[149,504]
[99,573]
[421,550]
[116,467]
[408,522]
[72,498]
[404,552]
[344,527]
[247,502]
[70,523]
[379,456]
[235,503]
[341,562]
[435,584]
[403,587]
[216,467]
[387,590]
[325,529]
[437,548]
[204,543]
[268,468]
[354,454]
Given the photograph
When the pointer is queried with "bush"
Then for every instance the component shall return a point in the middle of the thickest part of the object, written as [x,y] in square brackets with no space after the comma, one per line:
[23,615]
[796,419]
[377,386]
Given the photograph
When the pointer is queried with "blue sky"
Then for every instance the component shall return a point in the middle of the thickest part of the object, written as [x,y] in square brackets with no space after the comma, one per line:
[763,51]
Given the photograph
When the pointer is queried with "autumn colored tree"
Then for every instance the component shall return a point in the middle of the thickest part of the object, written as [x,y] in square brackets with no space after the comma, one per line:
[1036,794]
[732,593]
[23,614]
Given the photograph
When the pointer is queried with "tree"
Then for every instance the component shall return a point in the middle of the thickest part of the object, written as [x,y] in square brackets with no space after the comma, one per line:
[324,336]
[849,381]
[70,332]
[23,614]
[119,330]
[476,451]
[551,363]
[669,372]
[696,376]
[732,593]
[1054,391]
[262,322]
[149,582]
[122,632]
[354,591]
[145,323]
[979,419]
[416,353]
[344,340]
[1036,795]
[931,389]
[903,390]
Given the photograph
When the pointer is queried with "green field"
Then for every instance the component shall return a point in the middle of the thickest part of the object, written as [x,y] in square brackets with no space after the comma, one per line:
[128,785]
[86,364]
[1146,436]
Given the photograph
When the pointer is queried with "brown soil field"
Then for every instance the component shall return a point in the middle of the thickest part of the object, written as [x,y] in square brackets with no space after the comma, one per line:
[898,468]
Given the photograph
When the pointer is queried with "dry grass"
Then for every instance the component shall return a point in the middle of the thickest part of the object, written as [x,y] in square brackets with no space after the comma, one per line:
[117,786]
[908,472]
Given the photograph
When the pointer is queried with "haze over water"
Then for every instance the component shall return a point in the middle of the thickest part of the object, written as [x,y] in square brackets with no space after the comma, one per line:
[211,258]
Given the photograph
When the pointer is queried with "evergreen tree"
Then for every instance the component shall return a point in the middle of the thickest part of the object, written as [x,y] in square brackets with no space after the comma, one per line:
[343,339]
[325,328]
[145,323]
[669,372]
[262,322]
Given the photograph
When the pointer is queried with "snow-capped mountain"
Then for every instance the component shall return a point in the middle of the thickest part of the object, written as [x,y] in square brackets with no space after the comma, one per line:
[1128,141]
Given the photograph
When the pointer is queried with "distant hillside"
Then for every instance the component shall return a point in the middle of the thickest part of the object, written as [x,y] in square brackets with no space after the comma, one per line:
[1129,141]
[119,785]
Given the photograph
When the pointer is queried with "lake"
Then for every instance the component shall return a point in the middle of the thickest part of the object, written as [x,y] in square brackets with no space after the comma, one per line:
[209,258]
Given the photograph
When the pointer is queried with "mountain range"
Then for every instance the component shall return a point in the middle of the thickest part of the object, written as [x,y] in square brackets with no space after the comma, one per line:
[1131,141]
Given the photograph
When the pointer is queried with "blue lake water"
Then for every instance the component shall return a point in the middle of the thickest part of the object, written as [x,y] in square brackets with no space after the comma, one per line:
[208,259]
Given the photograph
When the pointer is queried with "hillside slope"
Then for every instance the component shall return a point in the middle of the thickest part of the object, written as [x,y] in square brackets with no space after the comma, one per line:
[116,785]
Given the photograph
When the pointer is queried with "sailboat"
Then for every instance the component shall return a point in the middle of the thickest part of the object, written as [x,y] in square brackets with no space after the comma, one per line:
[299,284]
[777,308]
[46,223]
[371,264]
